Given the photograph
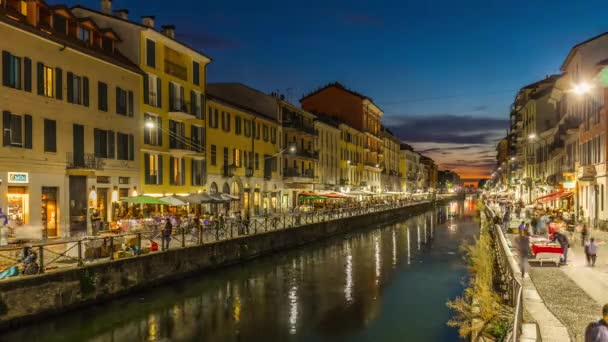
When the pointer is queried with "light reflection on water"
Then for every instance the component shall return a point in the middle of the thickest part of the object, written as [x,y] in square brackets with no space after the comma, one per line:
[367,286]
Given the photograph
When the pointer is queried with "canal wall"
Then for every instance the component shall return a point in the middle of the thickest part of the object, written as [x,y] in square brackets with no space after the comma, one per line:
[24,299]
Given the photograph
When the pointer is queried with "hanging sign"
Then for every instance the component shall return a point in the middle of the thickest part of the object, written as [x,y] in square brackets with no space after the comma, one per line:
[18,177]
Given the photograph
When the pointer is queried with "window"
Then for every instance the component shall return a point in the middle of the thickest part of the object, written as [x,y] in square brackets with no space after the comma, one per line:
[198,172]
[236,157]
[273,135]
[121,101]
[177,133]
[225,156]
[237,125]
[84,34]
[152,90]
[213,155]
[247,128]
[124,146]
[197,138]
[17,130]
[265,132]
[104,143]
[46,80]
[107,44]
[50,135]
[11,70]
[150,53]
[257,161]
[176,170]
[213,117]
[78,89]
[102,96]
[60,24]
[257,131]
[176,98]
[153,169]
[226,121]
[196,71]
[152,130]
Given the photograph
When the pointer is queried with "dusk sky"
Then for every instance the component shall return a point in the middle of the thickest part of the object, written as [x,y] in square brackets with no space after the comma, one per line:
[444,72]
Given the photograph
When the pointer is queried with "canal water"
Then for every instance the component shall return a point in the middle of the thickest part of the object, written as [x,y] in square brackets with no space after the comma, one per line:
[386,283]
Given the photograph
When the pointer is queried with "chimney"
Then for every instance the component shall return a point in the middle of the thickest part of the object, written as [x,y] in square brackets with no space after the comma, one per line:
[169,31]
[106,6]
[122,14]
[148,21]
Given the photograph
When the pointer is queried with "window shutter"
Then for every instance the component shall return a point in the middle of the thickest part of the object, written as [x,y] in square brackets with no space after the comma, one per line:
[6,68]
[58,83]
[146,90]
[27,74]
[28,131]
[96,142]
[6,128]
[159,93]
[118,100]
[160,170]
[40,78]
[202,104]
[171,171]
[111,143]
[131,147]
[183,174]
[192,102]
[147,168]
[130,104]
[159,132]
[171,97]
[85,91]
[182,98]
[70,87]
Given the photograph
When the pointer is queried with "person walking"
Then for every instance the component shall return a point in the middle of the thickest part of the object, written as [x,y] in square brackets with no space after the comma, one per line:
[521,228]
[564,244]
[166,234]
[584,233]
[598,331]
[524,251]
[591,252]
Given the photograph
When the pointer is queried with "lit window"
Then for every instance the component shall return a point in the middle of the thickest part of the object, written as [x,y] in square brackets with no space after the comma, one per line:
[49,81]
[23,7]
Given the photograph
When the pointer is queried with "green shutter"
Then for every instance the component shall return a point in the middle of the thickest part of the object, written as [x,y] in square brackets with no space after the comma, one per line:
[160,169]
[111,143]
[28,131]
[146,90]
[159,93]
[85,91]
[131,147]
[183,175]
[6,69]
[171,172]
[40,78]
[70,87]
[27,74]
[130,103]
[146,168]
[6,128]
[58,83]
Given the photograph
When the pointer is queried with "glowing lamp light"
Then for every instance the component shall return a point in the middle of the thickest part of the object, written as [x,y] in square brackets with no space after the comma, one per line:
[150,124]
[292,149]
[582,88]
[134,193]
[532,136]
[114,196]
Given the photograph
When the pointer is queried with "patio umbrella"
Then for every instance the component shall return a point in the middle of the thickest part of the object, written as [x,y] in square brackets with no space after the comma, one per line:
[227,197]
[201,198]
[221,197]
[176,201]
[308,198]
[143,199]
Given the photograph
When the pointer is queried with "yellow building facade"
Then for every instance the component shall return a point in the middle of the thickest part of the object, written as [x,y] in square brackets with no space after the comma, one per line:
[172,103]
[70,120]
[243,156]
[351,157]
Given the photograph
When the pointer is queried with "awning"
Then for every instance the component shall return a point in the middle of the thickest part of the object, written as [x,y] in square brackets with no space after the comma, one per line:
[549,195]
[560,195]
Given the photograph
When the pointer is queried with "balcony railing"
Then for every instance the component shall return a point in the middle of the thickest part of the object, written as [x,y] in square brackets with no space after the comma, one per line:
[228,170]
[85,161]
[249,172]
[176,70]
[307,154]
[180,142]
[295,172]
[299,126]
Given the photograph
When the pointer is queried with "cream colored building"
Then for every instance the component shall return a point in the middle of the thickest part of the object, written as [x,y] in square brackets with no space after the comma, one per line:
[409,168]
[390,152]
[70,119]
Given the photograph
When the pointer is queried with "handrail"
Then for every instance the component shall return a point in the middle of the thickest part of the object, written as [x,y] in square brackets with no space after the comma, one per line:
[513,282]
[74,254]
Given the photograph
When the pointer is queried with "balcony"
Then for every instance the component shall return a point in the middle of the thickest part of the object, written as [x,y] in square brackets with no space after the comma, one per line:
[308,154]
[182,110]
[180,146]
[299,126]
[228,170]
[176,70]
[87,161]
[292,174]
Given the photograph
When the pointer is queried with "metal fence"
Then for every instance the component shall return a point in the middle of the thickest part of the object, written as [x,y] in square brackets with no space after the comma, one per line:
[79,252]
[509,272]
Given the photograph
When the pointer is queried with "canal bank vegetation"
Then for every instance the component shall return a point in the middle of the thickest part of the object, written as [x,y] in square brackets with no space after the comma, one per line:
[479,314]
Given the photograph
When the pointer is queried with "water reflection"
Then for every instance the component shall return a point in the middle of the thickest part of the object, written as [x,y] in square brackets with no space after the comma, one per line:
[359,286]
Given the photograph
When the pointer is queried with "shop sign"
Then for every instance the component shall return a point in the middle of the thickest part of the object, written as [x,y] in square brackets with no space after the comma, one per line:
[18,177]
[569,184]
[103,179]
[589,173]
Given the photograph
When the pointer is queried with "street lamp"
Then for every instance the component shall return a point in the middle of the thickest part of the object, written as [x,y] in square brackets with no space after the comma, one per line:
[532,136]
[582,88]
[150,124]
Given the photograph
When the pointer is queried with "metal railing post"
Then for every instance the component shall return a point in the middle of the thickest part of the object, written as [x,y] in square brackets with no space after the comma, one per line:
[111,248]
[183,237]
[79,252]
[41,254]
[138,243]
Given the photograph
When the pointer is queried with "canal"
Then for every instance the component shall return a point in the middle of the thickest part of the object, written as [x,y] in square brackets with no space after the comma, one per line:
[386,283]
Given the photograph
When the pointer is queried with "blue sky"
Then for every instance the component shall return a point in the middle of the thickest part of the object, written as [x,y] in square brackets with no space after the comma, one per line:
[444,72]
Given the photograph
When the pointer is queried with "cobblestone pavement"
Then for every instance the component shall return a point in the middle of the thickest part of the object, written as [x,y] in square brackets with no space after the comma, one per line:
[566,300]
